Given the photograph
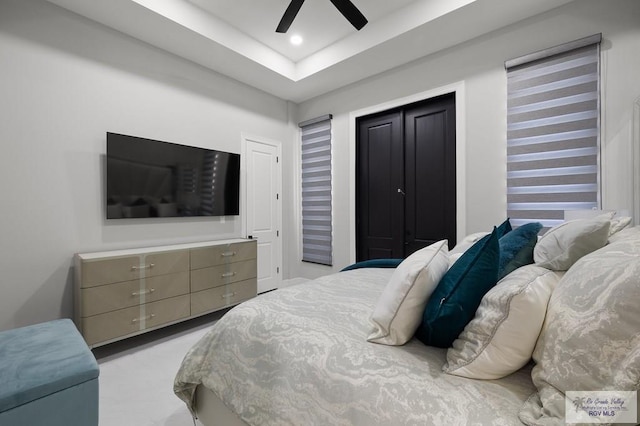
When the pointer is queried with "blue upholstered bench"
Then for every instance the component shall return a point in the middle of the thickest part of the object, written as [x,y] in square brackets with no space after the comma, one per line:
[48,376]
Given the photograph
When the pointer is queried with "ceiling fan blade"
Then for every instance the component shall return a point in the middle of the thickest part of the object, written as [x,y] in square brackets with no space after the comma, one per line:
[351,12]
[289,16]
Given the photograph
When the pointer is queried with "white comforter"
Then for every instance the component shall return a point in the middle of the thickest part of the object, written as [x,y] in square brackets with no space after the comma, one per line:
[299,356]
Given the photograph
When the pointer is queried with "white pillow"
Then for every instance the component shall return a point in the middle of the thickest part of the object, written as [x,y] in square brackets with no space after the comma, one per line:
[399,310]
[501,337]
[563,245]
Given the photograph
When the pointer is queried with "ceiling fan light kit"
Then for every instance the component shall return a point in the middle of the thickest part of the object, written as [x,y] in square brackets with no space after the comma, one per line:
[348,10]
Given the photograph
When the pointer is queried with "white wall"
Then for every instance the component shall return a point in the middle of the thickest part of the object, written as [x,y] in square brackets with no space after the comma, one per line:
[480,65]
[64,82]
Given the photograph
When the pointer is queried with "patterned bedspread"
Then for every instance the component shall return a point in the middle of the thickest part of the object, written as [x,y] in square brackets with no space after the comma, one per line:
[299,356]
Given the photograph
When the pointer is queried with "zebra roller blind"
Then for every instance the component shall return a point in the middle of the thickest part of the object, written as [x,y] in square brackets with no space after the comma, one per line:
[316,191]
[553,132]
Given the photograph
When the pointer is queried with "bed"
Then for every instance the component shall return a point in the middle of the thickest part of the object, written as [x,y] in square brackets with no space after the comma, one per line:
[299,356]
[566,320]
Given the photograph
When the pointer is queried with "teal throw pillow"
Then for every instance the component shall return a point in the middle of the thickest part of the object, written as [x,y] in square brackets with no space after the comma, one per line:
[516,248]
[454,302]
[374,263]
[504,228]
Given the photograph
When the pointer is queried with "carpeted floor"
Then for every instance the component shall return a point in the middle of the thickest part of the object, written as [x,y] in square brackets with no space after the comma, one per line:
[136,376]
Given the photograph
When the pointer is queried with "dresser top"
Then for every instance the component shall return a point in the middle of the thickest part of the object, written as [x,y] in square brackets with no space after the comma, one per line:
[171,247]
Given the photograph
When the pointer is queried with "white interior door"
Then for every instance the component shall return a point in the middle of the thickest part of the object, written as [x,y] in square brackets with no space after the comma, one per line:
[263,210]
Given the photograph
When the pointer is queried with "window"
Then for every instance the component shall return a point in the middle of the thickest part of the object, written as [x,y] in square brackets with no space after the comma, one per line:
[553,132]
[316,191]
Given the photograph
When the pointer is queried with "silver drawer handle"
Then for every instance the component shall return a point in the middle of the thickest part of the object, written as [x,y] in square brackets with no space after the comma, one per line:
[135,320]
[149,266]
[146,291]
[228,274]
[224,296]
[228,253]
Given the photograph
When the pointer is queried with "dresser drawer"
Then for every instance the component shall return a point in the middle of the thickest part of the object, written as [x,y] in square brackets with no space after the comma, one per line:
[218,255]
[128,268]
[111,325]
[112,270]
[166,263]
[219,297]
[111,297]
[202,279]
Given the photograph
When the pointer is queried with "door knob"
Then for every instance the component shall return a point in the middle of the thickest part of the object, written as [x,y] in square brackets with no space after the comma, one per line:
[400,191]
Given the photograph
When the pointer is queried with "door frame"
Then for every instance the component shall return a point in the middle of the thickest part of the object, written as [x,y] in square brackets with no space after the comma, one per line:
[459,89]
[245,138]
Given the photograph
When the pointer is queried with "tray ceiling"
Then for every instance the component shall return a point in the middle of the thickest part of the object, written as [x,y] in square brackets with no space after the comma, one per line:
[237,37]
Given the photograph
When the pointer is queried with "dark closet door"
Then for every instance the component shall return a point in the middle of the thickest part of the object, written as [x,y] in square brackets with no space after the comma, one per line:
[430,173]
[406,179]
[380,173]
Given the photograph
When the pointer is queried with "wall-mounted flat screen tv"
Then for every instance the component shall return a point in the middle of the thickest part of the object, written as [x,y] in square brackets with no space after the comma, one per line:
[150,178]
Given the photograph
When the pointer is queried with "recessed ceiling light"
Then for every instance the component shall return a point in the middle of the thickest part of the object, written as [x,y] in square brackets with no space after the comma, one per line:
[296,40]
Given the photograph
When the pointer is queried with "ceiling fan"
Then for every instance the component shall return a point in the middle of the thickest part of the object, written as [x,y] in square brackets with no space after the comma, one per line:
[348,10]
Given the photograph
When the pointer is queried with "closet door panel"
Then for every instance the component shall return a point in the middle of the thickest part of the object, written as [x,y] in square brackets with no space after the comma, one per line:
[380,174]
[430,174]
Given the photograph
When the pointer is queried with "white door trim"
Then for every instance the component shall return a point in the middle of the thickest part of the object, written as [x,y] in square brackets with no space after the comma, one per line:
[245,138]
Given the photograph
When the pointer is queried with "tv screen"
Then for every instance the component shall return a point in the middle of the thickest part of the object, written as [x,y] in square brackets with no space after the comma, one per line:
[150,178]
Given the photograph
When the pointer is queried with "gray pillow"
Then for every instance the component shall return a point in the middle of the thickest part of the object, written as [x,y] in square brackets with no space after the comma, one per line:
[564,244]
[590,339]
